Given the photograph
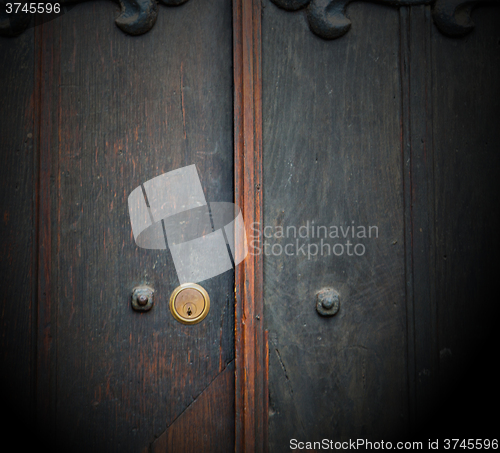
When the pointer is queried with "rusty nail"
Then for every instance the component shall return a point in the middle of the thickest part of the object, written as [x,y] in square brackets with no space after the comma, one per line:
[142,298]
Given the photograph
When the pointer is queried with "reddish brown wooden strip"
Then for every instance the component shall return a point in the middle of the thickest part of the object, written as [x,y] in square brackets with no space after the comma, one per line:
[251,388]
[266,392]
[160,444]
[206,425]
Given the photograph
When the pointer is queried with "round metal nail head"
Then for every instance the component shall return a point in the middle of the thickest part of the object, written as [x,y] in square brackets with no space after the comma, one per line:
[142,298]
[327,302]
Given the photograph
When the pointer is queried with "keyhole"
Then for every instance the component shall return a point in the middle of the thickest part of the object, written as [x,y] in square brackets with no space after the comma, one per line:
[189,312]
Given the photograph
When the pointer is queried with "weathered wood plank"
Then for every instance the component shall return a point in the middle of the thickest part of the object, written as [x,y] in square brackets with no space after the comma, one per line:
[418,158]
[123,111]
[332,155]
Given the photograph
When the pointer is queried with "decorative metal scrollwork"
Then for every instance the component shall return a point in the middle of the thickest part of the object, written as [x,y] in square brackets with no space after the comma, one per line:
[136,17]
[327,18]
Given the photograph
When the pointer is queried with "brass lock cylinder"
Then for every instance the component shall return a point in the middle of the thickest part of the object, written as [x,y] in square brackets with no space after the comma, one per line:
[189,303]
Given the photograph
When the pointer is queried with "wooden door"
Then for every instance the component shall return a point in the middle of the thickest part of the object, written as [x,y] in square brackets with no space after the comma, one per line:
[311,126]
[89,114]
[393,125]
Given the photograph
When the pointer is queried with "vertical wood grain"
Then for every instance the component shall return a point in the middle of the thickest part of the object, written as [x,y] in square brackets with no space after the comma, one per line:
[17,230]
[466,114]
[332,155]
[115,112]
[416,324]
[47,112]
[418,169]
[251,389]
[450,149]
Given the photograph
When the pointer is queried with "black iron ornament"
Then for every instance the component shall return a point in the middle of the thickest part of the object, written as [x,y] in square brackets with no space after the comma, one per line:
[327,18]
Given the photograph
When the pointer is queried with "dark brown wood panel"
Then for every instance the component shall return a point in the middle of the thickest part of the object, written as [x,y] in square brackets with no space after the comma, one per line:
[332,154]
[17,225]
[122,110]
